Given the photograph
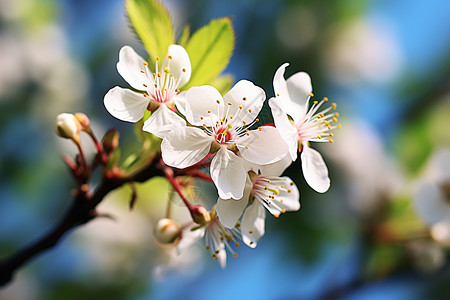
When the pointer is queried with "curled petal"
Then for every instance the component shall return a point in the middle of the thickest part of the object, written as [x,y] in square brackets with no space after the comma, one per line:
[125,104]
[287,131]
[262,146]
[130,66]
[252,225]
[299,87]
[279,83]
[204,105]
[180,102]
[185,146]
[161,121]
[180,65]
[228,173]
[244,102]
[314,169]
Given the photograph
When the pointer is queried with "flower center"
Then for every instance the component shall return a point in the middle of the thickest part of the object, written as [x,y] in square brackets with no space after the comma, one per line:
[162,86]
[317,125]
[223,135]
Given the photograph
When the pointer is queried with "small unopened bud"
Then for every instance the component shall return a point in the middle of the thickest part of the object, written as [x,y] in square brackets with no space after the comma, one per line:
[167,231]
[84,121]
[110,140]
[67,126]
[200,215]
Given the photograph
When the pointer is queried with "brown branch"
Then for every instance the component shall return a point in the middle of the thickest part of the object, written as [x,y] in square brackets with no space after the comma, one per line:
[80,212]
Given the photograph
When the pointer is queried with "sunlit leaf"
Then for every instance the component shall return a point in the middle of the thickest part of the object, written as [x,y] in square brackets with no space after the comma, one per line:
[152,24]
[222,83]
[210,50]
[184,37]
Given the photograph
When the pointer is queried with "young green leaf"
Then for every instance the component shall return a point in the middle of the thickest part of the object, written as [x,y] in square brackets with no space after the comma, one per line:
[152,24]
[184,37]
[209,50]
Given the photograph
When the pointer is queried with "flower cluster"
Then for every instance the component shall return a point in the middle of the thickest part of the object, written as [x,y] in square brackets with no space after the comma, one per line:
[200,128]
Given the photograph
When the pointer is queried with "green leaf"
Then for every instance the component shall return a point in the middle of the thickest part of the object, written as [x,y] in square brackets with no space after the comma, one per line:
[222,83]
[152,24]
[184,37]
[209,50]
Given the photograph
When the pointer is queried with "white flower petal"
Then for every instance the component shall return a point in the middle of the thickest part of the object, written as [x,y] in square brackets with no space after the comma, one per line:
[430,203]
[180,102]
[262,146]
[273,169]
[314,169]
[252,224]
[228,173]
[279,83]
[130,66]
[290,194]
[204,102]
[299,86]
[179,62]
[189,237]
[185,147]
[287,131]
[230,210]
[161,121]
[125,104]
[244,102]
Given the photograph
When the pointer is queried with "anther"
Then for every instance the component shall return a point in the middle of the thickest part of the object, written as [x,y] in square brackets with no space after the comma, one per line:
[229,103]
[169,57]
[335,119]
[330,140]
[184,70]
[315,102]
[145,85]
[283,211]
[325,99]
[337,114]
[145,63]
[142,71]
[218,101]
[334,105]
[244,98]
[209,111]
[236,245]
[311,94]
[234,254]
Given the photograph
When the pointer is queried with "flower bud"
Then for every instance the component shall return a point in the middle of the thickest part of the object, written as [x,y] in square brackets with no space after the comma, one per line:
[167,231]
[200,215]
[67,126]
[84,121]
[110,140]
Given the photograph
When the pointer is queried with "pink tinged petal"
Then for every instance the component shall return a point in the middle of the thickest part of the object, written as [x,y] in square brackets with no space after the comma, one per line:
[228,174]
[130,66]
[287,131]
[279,83]
[230,210]
[125,104]
[244,102]
[252,224]
[204,105]
[430,203]
[299,87]
[161,121]
[314,169]
[180,65]
[185,147]
[262,146]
